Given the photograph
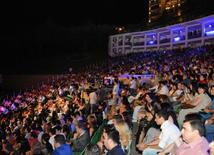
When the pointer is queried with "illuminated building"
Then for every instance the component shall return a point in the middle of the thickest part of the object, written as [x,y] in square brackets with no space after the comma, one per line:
[164,8]
[193,33]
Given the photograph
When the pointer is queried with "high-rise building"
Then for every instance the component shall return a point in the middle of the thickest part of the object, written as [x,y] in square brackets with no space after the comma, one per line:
[164,8]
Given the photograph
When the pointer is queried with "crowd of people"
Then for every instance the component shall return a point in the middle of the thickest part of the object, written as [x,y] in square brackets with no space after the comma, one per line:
[171,112]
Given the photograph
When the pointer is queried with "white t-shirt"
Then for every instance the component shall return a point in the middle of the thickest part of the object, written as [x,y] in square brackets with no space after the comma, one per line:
[169,134]
[163,91]
[93,98]
[135,113]
[133,84]
[51,141]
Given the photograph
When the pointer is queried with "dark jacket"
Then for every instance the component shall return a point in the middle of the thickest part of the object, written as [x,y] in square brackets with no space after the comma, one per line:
[81,142]
[117,150]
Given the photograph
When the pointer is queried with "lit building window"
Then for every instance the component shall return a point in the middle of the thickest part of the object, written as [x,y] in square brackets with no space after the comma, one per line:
[120,29]
[179,13]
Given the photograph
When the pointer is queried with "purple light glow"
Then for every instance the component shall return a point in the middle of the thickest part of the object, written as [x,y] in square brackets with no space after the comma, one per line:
[177,39]
[151,42]
[210,33]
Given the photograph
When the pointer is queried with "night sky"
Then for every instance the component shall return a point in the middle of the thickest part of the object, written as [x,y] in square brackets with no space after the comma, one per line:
[33,31]
[80,12]
[22,17]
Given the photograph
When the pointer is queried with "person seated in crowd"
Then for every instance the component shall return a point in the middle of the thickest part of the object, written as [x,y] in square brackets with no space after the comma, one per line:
[125,136]
[172,114]
[211,148]
[35,145]
[116,119]
[175,92]
[46,146]
[116,91]
[124,105]
[92,124]
[141,91]
[136,111]
[61,148]
[127,117]
[211,79]
[200,102]
[81,137]
[210,129]
[52,134]
[92,150]
[162,88]
[113,116]
[208,116]
[190,92]
[141,122]
[93,100]
[209,110]
[111,140]
[169,134]
[149,130]
[203,79]
[172,89]
[193,140]
[133,86]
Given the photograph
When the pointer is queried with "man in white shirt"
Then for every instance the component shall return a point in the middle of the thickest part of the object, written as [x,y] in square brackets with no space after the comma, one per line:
[163,89]
[93,100]
[169,134]
[52,134]
[116,91]
[141,92]
[133,86]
